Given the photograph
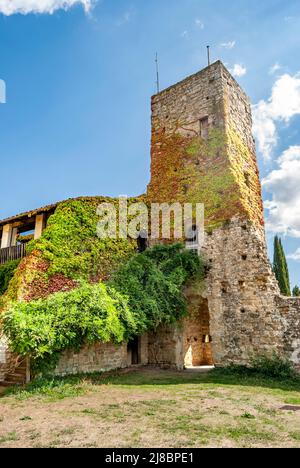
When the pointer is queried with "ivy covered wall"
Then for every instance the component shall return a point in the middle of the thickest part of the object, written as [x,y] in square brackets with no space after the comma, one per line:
[68,251]
[217,168]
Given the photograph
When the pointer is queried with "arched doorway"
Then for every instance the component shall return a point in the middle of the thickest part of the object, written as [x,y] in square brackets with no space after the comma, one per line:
[197,338]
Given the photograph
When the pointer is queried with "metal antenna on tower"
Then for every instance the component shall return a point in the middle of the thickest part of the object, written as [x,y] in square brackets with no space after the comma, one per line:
[208,54]
[157,72]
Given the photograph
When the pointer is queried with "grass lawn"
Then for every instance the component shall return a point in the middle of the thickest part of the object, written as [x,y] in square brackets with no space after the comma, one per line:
[152,408]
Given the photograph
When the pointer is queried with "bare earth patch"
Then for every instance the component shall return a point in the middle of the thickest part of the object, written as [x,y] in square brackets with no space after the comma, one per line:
[150,408]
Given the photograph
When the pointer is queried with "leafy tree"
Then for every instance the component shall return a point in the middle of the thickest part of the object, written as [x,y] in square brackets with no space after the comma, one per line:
[296,291]
[280,268]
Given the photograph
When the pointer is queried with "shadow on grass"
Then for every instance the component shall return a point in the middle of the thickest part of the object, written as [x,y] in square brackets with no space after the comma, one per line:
[73,386]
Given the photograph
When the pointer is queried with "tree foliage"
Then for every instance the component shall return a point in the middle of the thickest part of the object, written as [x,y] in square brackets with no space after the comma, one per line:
[296,291]
[144,293]
[280,268]
[6,273]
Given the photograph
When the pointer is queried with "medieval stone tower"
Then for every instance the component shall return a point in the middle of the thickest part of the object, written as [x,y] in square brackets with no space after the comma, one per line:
[203,151]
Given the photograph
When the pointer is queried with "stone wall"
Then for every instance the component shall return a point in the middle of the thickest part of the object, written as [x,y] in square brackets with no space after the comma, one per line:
[100,357]
[241,148]
[289,310]
[166,347]
[3,358]
[248,316]
[219,168]
[93,358]
[240,307]
[8,360]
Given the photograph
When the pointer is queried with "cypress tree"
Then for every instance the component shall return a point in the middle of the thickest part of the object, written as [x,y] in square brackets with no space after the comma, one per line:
[280,267]
[296,291]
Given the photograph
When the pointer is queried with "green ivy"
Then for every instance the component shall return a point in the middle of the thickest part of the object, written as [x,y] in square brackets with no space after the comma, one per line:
[144,293]
[71,246]
[153,283]
[6,273]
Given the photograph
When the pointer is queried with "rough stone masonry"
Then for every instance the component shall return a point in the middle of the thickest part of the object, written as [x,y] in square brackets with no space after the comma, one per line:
[203,151]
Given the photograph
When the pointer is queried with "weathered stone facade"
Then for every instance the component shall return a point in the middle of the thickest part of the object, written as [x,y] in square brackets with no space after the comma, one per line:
[94,358]
[101,357]
[216,165]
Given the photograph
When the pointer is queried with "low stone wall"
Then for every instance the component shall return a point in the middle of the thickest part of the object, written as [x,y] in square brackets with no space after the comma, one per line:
[3,359]
[165,347]
[93,358]
[8,360]
[289,309]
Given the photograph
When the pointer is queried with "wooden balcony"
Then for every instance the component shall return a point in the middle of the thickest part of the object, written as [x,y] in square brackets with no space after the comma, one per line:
[12,253]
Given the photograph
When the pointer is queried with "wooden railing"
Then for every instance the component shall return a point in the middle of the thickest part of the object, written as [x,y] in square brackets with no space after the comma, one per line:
[12,253]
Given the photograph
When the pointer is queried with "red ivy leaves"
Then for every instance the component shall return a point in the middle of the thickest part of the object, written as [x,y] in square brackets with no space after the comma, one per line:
[39,288]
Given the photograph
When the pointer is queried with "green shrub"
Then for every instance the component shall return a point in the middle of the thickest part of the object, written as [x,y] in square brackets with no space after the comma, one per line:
[87,314]
[6,273]
[145,292]
[274,367]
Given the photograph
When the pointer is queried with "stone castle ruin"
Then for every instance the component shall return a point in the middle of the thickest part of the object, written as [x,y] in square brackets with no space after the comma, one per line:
[202,151]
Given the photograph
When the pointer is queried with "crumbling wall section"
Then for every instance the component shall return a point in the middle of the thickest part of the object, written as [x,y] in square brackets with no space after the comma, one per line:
[248,316]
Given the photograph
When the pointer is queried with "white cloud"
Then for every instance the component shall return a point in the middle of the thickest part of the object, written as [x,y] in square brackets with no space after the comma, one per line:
[275,68]
[284,185]
[11,7]
[199,23]
[184,34]
[295,256]
[238,70]
[228,45]
[283,104]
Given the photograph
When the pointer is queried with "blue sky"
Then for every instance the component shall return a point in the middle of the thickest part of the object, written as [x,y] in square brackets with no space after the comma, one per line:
[79,81]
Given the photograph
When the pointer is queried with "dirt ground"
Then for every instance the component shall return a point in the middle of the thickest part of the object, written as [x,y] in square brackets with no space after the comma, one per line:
[150,408]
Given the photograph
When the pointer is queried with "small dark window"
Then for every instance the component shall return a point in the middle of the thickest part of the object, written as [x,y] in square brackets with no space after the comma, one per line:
[204,127]
[244,257]
[247,179]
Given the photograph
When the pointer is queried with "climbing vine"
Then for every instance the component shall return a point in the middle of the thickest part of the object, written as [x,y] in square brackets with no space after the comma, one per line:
[143,293]
[7,271]
[68,251]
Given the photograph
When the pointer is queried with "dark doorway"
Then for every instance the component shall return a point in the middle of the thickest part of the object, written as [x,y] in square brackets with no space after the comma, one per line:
[133,352]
